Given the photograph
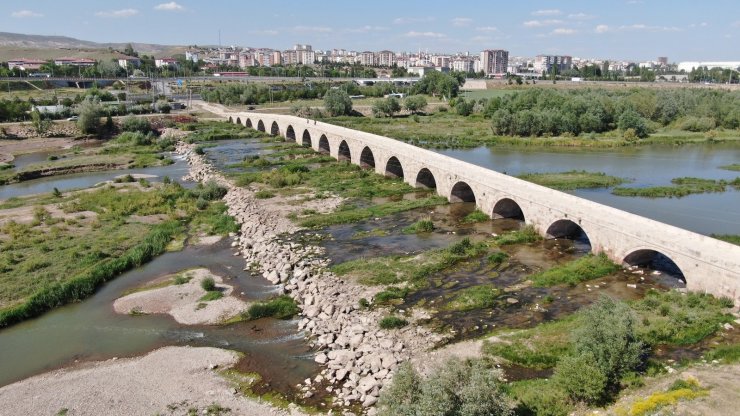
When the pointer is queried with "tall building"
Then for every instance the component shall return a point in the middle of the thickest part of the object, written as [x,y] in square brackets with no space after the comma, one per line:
[494,61]
[367,58]
[386,58]
[663,60]
[545,63]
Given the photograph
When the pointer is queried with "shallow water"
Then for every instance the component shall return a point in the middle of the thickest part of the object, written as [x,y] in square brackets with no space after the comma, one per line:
[646,166]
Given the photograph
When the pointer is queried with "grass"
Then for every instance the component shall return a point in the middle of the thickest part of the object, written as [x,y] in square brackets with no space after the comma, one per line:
[588,267]
[390,294]
[392,322]
[730,238]
[566,181]
[475,216]
[539,347]
[281,307]
[733,167]
[211,295]
[475,297]
[681,187]
[358,214]
[726,354]
[523,236]
[414,269]
[420,227]
[682,390]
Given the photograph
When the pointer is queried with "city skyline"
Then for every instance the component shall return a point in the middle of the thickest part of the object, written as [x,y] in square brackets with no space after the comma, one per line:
[628,29]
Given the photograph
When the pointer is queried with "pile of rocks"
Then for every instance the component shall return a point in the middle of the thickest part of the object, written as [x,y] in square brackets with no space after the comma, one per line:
[359,357]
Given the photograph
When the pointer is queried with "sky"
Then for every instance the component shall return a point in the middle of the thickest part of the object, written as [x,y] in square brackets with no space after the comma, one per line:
[617,29]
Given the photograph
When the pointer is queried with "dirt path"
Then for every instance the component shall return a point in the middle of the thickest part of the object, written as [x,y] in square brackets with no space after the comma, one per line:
[168,381]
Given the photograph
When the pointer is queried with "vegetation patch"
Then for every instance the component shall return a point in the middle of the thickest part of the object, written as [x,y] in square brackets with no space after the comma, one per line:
[475,297]
[281,307]
[420,227]
[566,181]
[475,216]
[392,322]
[682,187]
[211,295]
[523,236]
[682,390]
[358,214]
[730,238]
[539,347]
[734,167]
[580,270]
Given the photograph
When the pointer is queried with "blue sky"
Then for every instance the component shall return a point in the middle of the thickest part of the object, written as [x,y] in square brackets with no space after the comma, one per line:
[617,29]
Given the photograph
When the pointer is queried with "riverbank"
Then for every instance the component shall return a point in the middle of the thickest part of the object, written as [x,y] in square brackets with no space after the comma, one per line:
[168,381]
[359,357]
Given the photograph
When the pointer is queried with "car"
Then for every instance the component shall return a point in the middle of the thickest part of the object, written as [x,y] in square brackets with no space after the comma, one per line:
[73,118]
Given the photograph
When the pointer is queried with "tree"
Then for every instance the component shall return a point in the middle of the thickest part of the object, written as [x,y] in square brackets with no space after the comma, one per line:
[415,103]
[581,378]
[89,119]
[129,50]
[337,102]
[40,124]
[630,119]
[387,107]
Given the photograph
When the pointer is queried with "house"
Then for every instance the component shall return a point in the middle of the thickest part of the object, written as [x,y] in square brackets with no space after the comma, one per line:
[165,62]
[26,64]
[128,62]
[81,62]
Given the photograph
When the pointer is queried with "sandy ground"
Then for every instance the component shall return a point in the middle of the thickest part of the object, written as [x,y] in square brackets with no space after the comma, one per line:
[168,381]
[25,214]
[182,302]
[36,144]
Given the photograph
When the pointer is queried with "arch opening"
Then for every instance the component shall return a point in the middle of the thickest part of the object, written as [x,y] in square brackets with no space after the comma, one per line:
[324,145]
[261,126]
[249,123]
[508,208]
[654,260]
[344,153]
[569,230]
[306,140]
[238,120]
[367,160]
[231,119]
[425,179]
[393,168]
[290,134]
[274,129]
[462,192]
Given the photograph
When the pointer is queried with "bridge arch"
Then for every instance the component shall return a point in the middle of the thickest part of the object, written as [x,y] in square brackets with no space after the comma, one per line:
[324,145]
[261,126]
[565,228]
[367,159]
[290,134]
[274,129]
[654,260]
[306,139]
[344,153]
[425,179]
[462,192]
[249,123]
[238,120]
[231,119]
[393,168]
[507,208]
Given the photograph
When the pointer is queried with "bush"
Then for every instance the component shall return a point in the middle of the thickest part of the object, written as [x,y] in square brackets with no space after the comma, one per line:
[456,388]
[208,284]
[631,119]
[415,104]
[136,124]
[580,378]
[282,307]
[337,102]
[211,191]
[89,118]
[390,293]
[387,107]
[392,322]
[461,247]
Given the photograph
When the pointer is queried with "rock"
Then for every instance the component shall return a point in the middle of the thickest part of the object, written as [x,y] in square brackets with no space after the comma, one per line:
[512,301]
[356,341]
[311,312]
[367,383]
[321,358]
[369,401]
[632,285]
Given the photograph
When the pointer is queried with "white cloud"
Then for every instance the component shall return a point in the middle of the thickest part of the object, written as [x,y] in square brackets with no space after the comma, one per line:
[414,34]
[637,27]
[487,29]
[540,23]
[602,29]
[267,32]
[170,7]
[481,39]
[461,21]
[315,29]
[564,31]
[405,20]
[580,16]
[117,13]
[20,14]
[702,24]
[366,29]
[546,12]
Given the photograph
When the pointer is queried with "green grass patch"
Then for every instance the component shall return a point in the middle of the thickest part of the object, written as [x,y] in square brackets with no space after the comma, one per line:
[420,227]
[726,354]
[538,347]
[390,294]
[730,238]
[580,270]
[211,295]
[523,236]
[281,307]
[264,194]
[498,258]
[573,179]
[734,167]
[475,216]
[681,187]
[358,214]
[475,297]
[392,322]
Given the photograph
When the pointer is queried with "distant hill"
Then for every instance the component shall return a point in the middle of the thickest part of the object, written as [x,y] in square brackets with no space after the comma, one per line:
[17,45]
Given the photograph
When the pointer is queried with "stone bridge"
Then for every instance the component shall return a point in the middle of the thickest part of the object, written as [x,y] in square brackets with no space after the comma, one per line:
[707,264]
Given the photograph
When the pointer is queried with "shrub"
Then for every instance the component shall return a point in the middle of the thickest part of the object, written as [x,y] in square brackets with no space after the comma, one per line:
[132,123]
[387,107]
[461,247]
[89,118]
[208,284]
[631,119]
[263,194]
[456,388]
[282,307]
[364,304]
[392,322]
[415,104]
[337,102]
[199,150]
[580,378]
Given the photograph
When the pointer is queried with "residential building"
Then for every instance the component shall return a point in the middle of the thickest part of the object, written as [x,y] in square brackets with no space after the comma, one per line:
[545,63]
[385,58]
[463,65]
[26,64]
[494,61]
[83,62]
[128,62]
[688,66]
[165,62]
[367,58]
[192,56]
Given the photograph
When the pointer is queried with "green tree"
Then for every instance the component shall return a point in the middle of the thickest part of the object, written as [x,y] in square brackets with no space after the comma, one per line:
[415,103]
[630,119]
[39,123]
[337,102]
[581,378]
[387,107]
[89,119]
